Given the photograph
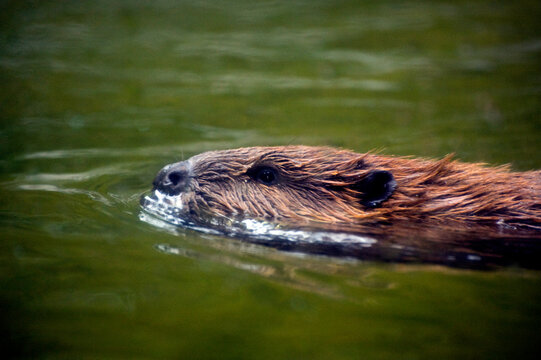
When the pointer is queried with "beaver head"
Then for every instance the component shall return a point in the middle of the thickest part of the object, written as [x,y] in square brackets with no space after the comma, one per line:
[324,185]
[293,182]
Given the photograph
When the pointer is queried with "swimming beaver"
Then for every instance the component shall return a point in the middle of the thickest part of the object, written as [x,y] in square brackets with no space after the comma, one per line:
[321,185]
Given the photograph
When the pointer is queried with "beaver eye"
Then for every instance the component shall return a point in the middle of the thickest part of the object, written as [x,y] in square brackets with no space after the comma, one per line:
[264,174]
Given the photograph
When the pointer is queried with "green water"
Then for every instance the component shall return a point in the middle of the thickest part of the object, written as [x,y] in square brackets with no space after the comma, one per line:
[96,96]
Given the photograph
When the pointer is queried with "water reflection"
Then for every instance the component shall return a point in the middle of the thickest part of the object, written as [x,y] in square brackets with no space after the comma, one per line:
[310,274]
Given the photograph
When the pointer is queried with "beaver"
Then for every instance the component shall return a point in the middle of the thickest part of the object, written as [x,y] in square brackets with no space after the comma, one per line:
[336,202]
[326,186]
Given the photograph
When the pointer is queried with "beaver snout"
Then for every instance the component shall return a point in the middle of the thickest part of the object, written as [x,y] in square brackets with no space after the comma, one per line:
[173,178]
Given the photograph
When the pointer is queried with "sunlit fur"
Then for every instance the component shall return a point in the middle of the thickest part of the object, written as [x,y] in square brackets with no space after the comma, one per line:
[317,184]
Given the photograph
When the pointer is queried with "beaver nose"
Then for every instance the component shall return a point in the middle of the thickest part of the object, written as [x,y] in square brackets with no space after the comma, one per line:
[173,178]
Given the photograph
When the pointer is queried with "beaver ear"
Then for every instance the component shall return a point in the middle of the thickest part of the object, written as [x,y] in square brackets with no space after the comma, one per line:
[376,187]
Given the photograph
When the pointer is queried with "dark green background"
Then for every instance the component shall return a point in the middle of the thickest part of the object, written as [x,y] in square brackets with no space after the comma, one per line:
[97,95]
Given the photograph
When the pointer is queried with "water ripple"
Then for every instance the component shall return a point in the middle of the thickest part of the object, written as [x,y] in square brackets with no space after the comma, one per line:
[70,191]
[224,139]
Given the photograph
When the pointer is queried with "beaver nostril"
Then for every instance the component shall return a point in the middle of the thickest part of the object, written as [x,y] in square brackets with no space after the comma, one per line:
[175,177]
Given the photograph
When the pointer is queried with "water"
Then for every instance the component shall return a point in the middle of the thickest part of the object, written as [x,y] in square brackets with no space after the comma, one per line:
[97,96]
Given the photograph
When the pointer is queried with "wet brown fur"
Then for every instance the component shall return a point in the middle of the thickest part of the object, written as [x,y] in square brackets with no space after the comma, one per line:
[317,184]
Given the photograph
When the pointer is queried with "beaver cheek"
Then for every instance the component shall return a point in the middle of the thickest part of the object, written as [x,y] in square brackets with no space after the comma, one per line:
[179,202]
